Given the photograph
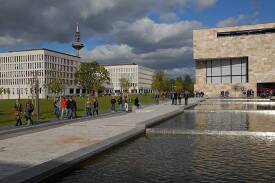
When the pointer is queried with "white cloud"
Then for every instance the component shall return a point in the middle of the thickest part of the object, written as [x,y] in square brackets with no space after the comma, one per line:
[110,53]
[231,21]
[169,17]
[204,4]
[240,20]
[145,34]
[7,41]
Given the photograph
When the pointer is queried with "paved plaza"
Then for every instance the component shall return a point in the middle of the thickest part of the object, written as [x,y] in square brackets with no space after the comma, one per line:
[20,153]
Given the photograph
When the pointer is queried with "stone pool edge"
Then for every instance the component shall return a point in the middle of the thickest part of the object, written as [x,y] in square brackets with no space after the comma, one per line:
[56,166]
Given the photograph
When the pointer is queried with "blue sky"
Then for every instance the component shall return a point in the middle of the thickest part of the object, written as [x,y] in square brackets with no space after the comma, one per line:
[154,33]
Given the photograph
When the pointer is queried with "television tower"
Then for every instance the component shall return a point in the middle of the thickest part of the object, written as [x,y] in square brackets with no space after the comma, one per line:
[77,45]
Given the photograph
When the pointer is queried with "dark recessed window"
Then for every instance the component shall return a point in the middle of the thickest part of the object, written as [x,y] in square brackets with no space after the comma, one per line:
[246,32]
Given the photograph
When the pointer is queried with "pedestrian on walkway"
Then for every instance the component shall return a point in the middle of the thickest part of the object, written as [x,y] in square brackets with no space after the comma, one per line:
[73,108]
[186,95]
[95,105]
[88,107]
[173,98]
[63,108]
[18,112]
[136,102]
[56,108]
[113,103]
[119,101]
[179,97]
[29,111]
[126,106]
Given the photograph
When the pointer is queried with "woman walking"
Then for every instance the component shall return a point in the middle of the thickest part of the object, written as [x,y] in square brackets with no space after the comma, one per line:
[29,110]
[88,107]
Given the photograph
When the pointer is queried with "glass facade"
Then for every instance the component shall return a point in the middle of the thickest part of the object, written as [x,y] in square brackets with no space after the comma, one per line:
[231,70]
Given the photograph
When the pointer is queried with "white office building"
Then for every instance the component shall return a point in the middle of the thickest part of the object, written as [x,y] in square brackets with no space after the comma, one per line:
[139,77]
[19,70]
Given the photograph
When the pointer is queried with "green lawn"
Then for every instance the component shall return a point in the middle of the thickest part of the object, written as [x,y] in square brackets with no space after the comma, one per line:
[7,112]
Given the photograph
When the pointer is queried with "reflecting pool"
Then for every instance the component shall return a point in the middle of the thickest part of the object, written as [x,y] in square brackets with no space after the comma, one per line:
[190,158]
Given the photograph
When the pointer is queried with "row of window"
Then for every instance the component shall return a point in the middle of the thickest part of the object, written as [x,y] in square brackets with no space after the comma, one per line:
[22,91]
[115,70]
[22,66]
[37,57]
[20,74]
[232,70]
[36,65]
[26,58]
[26,81]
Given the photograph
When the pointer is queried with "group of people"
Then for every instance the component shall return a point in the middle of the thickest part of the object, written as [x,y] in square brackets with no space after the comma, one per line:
[29,108]
[177,96]
[65,108]
[225,94]
[120,102]
[123,100]
[91,104]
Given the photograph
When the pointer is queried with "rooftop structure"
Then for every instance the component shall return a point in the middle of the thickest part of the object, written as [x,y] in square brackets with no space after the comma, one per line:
[77,45]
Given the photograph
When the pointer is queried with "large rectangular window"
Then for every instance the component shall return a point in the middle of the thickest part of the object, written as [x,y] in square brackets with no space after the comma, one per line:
[233,70]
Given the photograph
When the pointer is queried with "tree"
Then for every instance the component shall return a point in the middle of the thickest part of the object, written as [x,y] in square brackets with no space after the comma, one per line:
[91,76]
[1,90]
[8,92]
[188,83]
[159,82]
[178,85]
[124,84]
[56,86]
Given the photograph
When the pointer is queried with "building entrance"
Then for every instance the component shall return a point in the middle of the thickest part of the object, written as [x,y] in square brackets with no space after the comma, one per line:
[265,89]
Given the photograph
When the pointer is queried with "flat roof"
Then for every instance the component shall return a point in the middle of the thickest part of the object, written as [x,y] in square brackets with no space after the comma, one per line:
[272,24]
[45,49]
[117,64]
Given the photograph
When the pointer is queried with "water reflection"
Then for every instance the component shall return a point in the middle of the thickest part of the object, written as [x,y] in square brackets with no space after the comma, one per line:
[182,159]
[224,121]
[233,106]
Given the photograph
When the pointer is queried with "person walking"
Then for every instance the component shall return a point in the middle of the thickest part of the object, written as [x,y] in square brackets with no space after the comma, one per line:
[88,107]
[73,108]
[179,97]
[63,108]
[113,103]
[136,103]
[173,98]
[119,101]
[186,95]
[95,105]
[56,108]
[29,110]
[18,111]
[176,98]
[126,106]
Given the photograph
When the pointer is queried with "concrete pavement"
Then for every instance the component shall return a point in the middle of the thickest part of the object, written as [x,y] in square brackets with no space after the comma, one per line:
[35,156]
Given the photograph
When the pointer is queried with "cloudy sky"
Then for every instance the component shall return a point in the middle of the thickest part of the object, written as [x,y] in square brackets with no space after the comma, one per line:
[153,33]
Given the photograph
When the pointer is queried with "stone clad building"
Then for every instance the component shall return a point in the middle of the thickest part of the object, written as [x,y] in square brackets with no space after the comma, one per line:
[234,59]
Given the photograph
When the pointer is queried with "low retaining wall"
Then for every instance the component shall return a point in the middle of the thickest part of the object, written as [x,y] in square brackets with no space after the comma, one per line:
[56,166]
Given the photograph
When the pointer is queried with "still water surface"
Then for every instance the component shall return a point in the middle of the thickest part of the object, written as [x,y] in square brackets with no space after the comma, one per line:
[190,158]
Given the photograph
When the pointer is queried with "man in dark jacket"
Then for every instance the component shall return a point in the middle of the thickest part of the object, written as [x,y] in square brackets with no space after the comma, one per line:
[136,102]
[113,102]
